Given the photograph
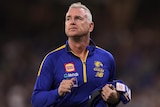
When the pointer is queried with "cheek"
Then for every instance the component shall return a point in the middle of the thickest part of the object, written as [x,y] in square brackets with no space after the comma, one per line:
[66,27]
[85,27]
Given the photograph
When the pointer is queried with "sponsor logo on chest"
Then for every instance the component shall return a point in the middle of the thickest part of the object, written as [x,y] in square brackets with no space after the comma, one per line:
[70,72]
[69,67]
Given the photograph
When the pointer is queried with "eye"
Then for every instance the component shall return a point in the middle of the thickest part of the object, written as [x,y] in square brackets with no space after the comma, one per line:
[68,18]
[78,18]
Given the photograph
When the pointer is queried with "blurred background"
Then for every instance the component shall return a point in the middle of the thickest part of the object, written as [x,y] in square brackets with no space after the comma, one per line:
[129,29]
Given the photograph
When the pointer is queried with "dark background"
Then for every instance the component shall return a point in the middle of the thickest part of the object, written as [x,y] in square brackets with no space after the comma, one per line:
[129,29]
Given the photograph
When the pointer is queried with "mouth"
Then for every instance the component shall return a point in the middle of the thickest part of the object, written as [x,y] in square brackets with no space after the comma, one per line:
[72,28]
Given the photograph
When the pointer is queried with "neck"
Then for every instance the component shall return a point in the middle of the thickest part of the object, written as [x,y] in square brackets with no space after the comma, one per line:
[78,45]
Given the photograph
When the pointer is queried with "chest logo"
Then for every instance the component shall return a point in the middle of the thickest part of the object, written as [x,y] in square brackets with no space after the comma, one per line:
[99,69]
[69,67]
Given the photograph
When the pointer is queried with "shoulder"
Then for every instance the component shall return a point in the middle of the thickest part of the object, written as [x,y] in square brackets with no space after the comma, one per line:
[52,57]
[57,51]
[54,54]
[104,55]
[104,52]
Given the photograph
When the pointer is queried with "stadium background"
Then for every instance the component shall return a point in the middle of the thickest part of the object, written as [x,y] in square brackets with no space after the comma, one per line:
[130,29]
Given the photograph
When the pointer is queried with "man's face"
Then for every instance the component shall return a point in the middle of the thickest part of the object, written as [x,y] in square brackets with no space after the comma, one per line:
[77,23]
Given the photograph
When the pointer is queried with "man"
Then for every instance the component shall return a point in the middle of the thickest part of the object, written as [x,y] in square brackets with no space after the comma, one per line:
[70,74]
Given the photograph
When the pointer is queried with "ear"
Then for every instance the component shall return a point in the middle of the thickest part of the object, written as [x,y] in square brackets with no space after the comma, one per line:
[91,26]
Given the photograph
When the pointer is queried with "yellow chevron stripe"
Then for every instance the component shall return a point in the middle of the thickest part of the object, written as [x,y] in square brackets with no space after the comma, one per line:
[40,68]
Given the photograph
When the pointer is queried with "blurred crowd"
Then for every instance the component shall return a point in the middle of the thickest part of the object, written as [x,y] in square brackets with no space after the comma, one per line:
[129,29]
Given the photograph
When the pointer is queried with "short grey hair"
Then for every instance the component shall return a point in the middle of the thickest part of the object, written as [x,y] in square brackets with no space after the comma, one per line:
[80,5]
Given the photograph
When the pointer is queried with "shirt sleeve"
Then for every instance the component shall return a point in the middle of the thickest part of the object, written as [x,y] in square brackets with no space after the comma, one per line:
[125,95]
[42,95]
[112,69]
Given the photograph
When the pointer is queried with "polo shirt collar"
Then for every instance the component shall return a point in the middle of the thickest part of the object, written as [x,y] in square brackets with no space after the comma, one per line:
[90,47]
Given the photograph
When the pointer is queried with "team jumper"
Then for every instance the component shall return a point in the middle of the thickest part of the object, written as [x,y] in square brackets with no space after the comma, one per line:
[90,74]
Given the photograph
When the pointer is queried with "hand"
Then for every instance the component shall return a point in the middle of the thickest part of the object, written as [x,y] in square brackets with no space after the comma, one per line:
[109,94]
[65,86]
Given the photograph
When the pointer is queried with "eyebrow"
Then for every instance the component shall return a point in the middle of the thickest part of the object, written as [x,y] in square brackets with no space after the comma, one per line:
[76,16]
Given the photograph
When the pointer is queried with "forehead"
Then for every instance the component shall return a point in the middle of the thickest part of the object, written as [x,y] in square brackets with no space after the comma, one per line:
[76,12]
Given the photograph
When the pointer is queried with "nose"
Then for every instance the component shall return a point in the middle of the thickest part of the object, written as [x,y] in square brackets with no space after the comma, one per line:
[73,22]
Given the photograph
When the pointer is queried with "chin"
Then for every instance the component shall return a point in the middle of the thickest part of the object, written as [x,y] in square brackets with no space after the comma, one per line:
[72,35]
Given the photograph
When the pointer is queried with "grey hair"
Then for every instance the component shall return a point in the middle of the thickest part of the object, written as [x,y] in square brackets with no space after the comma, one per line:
[80,5]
